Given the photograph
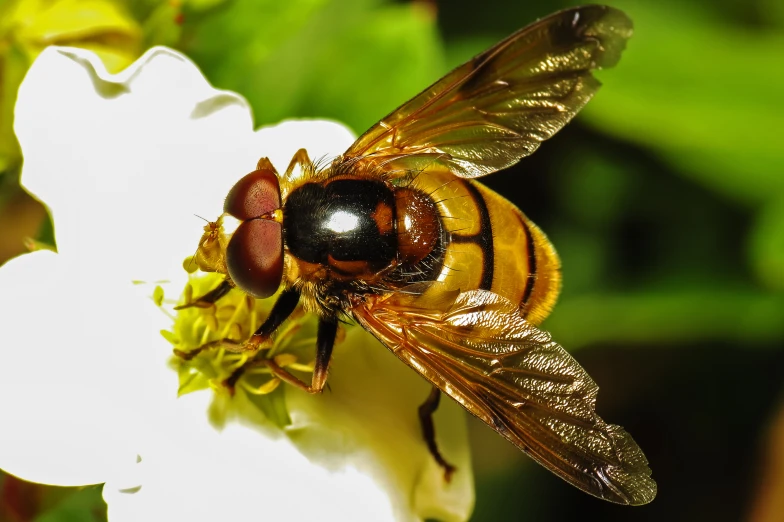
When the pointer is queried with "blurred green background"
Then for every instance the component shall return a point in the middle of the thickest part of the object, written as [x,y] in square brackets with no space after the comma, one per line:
[665,199]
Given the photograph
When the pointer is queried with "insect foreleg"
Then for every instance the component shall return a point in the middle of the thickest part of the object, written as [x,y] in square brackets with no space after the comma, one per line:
[210,297]
[327,330]
[300,159]
[265,164]
[281,310]
[426,411]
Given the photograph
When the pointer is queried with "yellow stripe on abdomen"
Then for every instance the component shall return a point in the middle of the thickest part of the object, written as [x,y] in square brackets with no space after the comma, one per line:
[491,245]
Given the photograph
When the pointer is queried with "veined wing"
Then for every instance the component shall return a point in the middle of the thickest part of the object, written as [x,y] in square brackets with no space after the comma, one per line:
[486,356]
[488,113]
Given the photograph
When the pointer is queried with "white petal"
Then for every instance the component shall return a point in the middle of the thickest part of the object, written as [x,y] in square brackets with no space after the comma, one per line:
[353,453]
[322,139]
[80,379]
[369,419]
[240,474]
[123,161]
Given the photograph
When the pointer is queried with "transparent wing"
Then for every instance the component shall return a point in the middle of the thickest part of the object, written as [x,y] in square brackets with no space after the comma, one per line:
[481,352]
[497,108]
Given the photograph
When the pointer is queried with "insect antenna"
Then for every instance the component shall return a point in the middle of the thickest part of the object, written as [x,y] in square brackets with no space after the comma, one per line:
[193,257]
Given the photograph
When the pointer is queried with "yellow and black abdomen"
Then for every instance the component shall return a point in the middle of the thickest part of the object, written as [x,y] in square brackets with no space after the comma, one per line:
[491,245]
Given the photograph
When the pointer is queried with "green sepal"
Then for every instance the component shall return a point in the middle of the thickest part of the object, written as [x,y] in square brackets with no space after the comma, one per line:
[273,406]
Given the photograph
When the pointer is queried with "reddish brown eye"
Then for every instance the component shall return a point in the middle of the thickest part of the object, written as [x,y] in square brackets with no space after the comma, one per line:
[254,257]
[256,194]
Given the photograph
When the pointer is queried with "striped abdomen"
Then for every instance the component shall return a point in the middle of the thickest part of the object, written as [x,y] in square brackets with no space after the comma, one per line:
[491,245]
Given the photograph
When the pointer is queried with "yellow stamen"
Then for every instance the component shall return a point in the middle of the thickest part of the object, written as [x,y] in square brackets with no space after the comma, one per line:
[266,388]
[157,295]
[303,367]
[285,359]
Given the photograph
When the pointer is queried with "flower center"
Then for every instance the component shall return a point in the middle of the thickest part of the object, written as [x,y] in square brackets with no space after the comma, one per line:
[209,351]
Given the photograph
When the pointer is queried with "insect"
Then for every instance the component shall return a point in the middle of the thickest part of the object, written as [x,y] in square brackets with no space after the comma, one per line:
[449,275]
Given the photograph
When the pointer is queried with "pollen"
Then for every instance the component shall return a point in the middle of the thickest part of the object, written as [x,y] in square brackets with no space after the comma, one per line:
[210,349]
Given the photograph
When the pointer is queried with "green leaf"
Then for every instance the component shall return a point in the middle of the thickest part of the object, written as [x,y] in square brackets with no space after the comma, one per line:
[661,317]
[767,245]
[250,32]
[102,26]
[374,66]
[75,505]
[463,49]
[195,374]
[191,381]
[704,94]
[13,66]
[204,5]
[161,26]
[595,186]
[273,406]
[772,11]
[72,19]
[320,58]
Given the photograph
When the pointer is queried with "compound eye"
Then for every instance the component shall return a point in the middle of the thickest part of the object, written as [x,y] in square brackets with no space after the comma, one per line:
[254,257]
[254,195]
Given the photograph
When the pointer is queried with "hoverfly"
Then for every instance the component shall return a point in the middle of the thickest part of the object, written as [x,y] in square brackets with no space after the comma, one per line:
[449,275]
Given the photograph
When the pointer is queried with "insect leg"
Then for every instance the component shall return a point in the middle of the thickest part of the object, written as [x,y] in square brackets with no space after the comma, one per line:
[300,158]
[281,310]
[327,330]
[265,164]
[210,297]
[426,411]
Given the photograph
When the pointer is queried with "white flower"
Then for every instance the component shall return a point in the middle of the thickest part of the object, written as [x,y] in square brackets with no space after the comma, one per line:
[124,162]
